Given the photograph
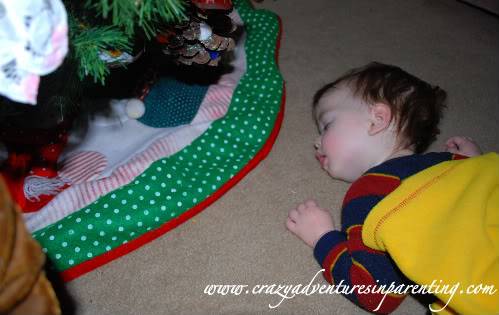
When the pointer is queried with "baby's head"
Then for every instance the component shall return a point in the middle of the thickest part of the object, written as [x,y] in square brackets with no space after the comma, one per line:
[372,114]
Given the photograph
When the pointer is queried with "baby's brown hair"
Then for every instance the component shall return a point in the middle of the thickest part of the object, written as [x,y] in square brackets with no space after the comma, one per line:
[416,105]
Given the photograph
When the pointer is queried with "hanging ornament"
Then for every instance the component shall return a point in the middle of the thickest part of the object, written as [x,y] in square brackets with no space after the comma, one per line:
[213,4]
[115,58]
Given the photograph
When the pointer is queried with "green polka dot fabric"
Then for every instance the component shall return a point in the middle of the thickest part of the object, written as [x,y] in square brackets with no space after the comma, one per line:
[172,103]
[172,188]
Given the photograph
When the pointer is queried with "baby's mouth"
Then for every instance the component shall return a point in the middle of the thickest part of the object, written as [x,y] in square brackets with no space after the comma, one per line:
[321,158]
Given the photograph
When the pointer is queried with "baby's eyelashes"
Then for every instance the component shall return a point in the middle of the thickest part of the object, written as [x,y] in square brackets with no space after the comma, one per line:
[326,127]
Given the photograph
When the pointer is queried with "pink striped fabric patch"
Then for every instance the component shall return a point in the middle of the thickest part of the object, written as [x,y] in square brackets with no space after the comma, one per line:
[83,166]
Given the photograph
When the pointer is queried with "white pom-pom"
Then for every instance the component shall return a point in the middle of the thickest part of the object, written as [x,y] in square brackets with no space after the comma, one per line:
[135,108]
[204,31]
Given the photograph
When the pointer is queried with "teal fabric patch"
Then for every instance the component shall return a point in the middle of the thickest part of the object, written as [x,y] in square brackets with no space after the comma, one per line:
[172,103]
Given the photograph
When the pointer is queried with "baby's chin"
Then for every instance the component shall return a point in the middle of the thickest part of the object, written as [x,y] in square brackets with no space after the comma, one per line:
[348,178]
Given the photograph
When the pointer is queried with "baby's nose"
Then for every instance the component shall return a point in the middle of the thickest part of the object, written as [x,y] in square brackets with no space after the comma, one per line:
[317,143]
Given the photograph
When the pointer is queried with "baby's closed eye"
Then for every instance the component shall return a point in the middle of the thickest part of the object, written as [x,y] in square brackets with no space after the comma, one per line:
[326,126]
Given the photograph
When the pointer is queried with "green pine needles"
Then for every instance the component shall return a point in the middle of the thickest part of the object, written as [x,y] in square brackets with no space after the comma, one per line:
[146,14]
[89,43]
[102,25]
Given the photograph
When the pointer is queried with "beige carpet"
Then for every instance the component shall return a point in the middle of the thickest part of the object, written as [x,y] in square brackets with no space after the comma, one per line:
[241,239]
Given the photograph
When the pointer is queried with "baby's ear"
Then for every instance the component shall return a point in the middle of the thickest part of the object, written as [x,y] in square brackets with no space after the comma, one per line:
[381,117]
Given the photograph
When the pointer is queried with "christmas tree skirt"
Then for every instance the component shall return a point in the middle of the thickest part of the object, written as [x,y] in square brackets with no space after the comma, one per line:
[117,202]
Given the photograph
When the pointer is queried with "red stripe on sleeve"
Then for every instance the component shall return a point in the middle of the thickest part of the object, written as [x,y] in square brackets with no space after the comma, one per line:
[331,260]
[371,300]
[458,156]
[355,243]
[371,184]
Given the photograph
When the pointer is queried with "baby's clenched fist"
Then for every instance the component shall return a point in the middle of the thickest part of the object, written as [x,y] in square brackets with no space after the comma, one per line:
[309,222]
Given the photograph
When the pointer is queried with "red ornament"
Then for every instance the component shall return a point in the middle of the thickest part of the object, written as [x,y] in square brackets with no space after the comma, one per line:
[213,4]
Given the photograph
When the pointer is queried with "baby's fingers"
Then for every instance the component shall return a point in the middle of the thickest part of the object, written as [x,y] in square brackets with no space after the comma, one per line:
[290,225]
[301,207]
[311,203]
[459,141]
[293,215]
[452,144]
[452,148]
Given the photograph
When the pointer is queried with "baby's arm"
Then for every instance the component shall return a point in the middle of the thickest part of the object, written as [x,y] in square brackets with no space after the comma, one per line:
[345,258]
[463,146]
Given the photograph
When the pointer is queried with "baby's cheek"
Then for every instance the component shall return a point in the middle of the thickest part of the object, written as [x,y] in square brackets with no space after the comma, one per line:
[346,149]
[330,144]
[337,151]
